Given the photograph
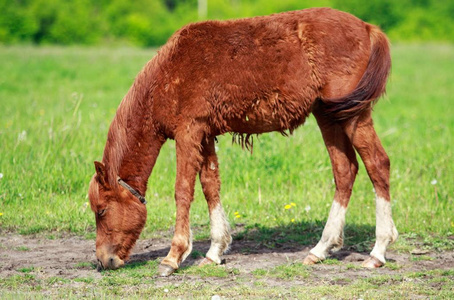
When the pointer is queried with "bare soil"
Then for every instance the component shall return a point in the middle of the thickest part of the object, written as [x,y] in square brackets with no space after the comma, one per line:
[71,257]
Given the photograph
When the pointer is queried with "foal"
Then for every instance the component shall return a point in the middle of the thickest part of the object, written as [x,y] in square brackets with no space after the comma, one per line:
[247,76]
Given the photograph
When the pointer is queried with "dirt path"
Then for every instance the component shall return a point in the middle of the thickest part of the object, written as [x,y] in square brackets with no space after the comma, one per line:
[70,257]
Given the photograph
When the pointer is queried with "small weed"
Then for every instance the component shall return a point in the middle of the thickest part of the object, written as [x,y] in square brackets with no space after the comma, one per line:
[260,272]
[26,270]
[57,280]
[85,265]
[289,272]
[196,254]
[352,266]
[342,280]
[383,279]
[259,283]
[421,257]
[393,266]
[208,271]
[331,261]
[22,248]
[84,279]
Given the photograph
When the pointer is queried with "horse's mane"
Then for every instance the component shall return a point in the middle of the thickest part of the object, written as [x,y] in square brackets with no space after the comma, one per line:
[137,101]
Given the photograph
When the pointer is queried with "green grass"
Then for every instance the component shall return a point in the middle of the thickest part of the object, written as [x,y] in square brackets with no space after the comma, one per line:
[208,271]
[57,104]
[286,272]
[22,248]
[132,284]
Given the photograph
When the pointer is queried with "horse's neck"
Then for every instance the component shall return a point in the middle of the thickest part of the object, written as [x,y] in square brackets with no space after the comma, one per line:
[139,160]
[133,143]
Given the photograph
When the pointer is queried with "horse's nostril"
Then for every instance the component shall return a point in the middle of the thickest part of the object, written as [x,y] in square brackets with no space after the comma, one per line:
[100,266]
[111,263]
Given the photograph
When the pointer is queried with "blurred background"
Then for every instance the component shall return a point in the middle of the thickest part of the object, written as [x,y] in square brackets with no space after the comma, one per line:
[151,22]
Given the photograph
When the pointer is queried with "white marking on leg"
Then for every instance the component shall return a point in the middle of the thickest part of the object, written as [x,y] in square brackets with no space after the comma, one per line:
[220,234]
[333,233]
[385,230]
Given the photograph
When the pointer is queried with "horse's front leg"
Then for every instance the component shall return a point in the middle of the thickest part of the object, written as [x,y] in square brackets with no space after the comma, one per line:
[211,185]
[189,158]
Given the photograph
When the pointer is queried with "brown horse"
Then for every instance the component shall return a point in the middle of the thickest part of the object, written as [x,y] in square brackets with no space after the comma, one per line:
[246,76]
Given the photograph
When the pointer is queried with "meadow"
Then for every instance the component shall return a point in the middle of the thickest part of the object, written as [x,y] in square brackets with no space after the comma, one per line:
[56,105]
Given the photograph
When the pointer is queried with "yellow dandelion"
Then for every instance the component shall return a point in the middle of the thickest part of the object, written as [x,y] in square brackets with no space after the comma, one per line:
[293,220]
[287,206]
[237,216]
[1,214]
[293,204]
[452,223]
[236,213]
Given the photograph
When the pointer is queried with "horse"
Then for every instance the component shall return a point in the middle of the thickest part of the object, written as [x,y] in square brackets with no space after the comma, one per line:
[246,76]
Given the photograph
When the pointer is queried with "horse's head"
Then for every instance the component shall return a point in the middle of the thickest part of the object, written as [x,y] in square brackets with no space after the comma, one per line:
[120,217]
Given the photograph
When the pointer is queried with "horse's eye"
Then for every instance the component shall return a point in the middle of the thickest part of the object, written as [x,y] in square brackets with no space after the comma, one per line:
[102,212]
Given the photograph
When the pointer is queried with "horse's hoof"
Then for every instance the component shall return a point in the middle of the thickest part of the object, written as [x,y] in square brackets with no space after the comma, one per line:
[206,261]
[311,259]
[372,263]
[165,270]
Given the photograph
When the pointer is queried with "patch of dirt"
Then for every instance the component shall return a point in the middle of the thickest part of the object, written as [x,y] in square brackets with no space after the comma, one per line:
[71,257]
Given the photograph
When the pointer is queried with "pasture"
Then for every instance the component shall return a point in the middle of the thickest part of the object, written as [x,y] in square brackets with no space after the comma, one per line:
[56,107]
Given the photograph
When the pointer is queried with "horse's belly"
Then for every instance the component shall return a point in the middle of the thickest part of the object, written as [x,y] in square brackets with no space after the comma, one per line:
[267,118]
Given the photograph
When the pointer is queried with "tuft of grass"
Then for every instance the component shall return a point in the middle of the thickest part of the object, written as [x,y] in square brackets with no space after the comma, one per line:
[26,269]
[210,270]
[85,265]
[22,248]
[421,257]
[287,272]
[195,254]
[331,261]
[392,265]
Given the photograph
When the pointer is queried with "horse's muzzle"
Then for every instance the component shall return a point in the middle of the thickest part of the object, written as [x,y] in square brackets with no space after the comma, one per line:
[110,263]
[108,260]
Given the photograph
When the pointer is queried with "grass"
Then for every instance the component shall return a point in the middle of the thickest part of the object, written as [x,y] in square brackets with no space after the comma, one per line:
[287,272]
[134,284]
[56,107]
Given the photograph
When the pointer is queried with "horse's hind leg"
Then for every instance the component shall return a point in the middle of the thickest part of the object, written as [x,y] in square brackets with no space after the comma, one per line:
[188,149]
[345,166]
[366,142]
[211,184]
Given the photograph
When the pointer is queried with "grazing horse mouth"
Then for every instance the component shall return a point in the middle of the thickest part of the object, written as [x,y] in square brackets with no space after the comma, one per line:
[112,263]
[108,259]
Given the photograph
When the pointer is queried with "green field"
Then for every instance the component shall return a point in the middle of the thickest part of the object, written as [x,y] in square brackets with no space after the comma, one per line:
[56,105]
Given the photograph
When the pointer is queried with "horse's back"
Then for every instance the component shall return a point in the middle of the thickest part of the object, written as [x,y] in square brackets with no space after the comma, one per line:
[261,74]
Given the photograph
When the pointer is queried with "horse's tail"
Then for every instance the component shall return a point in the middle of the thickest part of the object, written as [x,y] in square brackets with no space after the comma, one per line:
[372,84]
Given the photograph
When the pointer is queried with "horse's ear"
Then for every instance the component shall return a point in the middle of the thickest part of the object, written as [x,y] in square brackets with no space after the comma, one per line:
[101,173]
